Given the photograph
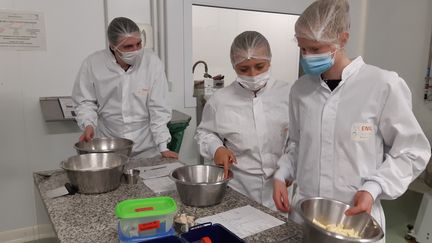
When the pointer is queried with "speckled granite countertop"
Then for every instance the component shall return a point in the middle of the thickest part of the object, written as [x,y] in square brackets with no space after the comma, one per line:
[90,218]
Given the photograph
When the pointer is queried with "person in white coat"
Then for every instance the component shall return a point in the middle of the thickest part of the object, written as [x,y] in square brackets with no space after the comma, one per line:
[353,135]
[122,92]
[245,125]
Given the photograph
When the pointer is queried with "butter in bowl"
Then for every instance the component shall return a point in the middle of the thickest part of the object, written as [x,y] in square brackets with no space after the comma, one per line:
[182,222]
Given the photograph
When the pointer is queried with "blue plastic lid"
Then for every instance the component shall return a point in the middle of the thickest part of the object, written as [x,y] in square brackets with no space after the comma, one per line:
[125,239]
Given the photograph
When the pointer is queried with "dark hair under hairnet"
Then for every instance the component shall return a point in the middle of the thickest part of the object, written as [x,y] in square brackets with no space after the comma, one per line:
[121,27]
[247,45]
[324,21]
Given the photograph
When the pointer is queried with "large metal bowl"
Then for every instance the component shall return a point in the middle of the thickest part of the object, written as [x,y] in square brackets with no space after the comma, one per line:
[105,145]
[95,172]
[200,185]
[328,211]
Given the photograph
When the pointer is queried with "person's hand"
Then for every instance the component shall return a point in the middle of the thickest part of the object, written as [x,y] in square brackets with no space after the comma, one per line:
[169,154]
[88,134]
[363,202]
[224,157]
[280,195]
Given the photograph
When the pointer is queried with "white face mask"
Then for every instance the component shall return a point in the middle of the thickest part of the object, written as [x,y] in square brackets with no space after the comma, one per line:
[131,57]
[254,83]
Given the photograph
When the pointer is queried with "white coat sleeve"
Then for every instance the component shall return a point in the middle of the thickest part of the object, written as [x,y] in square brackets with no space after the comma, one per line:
[159,110]
[287,163]
[206,134]
[84,97]
[407,150]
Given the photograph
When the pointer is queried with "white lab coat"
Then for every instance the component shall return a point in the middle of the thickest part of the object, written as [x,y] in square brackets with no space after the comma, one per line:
[130,104]
[254,128]
[361,136]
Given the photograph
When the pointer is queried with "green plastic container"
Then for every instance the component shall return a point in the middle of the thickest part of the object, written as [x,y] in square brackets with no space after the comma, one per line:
[146,216]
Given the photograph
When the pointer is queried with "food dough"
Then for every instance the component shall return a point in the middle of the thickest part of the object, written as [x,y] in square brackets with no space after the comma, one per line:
[338,229]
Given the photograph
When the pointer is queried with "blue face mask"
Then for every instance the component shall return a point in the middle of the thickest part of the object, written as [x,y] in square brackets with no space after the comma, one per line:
[316,64]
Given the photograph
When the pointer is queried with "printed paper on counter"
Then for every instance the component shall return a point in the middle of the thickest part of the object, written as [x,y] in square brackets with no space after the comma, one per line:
[156,171]
[161,184]
[243,221]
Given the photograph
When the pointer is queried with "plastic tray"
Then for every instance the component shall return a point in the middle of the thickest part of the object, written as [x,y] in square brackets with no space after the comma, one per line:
[216,232]
[153,238]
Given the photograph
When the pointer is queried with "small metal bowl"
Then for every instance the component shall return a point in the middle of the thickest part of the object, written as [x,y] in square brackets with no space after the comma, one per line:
[200,185]
[131,176]
[328,211]
[105,145]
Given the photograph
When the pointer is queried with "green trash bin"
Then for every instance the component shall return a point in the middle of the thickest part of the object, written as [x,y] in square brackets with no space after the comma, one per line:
[178,124]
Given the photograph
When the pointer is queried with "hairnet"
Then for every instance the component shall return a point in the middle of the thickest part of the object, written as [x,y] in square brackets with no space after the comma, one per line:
[323,21]
[247,45]
[122,27]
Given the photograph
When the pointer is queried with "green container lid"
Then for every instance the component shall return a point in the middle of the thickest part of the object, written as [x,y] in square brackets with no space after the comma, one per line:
[145,207]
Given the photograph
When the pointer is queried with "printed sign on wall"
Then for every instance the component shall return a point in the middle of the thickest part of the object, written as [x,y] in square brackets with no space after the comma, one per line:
[22,30]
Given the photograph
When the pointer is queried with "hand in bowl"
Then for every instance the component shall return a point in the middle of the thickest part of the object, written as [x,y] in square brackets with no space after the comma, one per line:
[363,202]
[88,134]
[225,157]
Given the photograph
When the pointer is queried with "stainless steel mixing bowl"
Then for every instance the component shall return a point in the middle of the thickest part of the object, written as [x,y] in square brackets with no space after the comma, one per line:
[105,145]
[328,211]
[95,172]
[200,185]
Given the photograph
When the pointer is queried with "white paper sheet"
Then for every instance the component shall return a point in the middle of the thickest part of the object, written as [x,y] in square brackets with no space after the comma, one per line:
[243,221]
[156,171]
[160,184]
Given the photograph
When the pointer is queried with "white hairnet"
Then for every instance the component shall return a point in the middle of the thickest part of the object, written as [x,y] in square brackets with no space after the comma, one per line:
[247,45]
[323,21]
[122,27]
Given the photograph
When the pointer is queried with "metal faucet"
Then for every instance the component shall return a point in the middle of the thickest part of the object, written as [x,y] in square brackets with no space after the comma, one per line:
[206,75]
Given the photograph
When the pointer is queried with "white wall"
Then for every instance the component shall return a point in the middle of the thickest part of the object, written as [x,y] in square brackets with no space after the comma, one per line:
[137,10]
[27,142]
[397,38]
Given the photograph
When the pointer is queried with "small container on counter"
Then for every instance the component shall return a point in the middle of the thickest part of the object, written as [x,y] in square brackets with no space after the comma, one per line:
[131,176]
[146,217]
[182,222]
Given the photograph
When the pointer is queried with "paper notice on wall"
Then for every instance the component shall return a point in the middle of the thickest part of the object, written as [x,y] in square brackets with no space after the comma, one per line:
[22,30]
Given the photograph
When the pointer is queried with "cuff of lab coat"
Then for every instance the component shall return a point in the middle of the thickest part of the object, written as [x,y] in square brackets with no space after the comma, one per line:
[280,175]
[163,147]
[373,188]
[213,147]
[86,123]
